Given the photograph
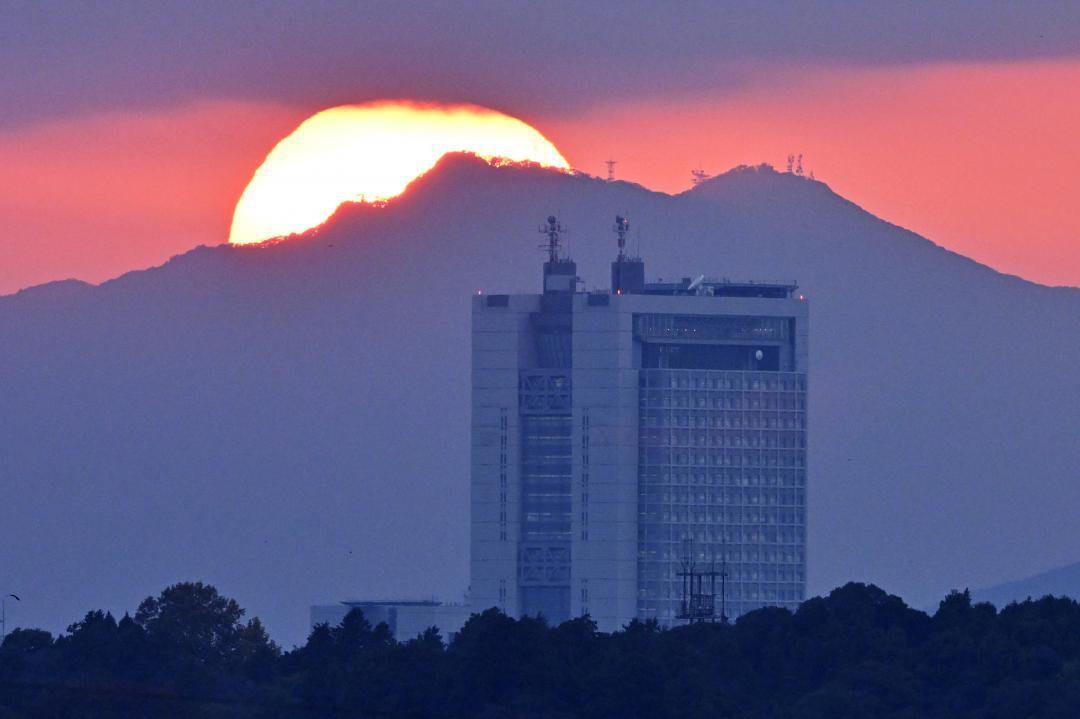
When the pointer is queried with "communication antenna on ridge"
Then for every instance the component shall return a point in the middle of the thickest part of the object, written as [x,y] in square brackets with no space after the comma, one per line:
[798,166]
[791,163]
[699,176]
[622,227]
[552,229]
[611,169]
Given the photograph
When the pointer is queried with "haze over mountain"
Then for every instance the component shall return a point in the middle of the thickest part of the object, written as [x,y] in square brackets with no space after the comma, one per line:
[290,422]
[1057,582]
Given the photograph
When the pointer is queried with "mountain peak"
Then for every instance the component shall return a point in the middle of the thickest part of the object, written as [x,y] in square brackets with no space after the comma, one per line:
[464,168]
[758,179]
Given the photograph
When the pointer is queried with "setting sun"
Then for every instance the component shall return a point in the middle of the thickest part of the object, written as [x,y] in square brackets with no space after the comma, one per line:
[371,152]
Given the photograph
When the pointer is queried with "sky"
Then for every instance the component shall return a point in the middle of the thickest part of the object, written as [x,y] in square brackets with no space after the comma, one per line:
[129,130]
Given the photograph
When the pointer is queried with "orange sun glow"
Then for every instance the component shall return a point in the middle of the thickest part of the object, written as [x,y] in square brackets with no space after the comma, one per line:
[371,152]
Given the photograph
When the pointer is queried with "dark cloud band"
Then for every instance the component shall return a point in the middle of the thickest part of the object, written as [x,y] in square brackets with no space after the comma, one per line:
[528,59]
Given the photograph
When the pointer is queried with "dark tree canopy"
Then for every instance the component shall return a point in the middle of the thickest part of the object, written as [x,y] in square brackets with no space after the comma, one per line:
[858,652]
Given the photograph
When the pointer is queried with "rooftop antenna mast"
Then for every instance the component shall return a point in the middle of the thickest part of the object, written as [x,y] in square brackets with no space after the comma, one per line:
[552,229]
[611,169]
[622,228]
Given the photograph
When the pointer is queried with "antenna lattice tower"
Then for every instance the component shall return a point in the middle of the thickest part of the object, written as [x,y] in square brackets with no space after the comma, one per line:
[552,228]
[611,169]
[699,176]
[699,599]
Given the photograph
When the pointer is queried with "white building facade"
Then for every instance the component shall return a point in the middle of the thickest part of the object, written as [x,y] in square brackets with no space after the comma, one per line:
[627,444]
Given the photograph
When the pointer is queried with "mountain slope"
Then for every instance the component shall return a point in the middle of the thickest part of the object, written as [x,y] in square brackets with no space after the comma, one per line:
[291,422]
[1058,582]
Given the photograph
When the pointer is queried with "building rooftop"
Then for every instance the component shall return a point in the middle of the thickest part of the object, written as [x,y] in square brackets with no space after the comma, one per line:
[721,288]
[391,602]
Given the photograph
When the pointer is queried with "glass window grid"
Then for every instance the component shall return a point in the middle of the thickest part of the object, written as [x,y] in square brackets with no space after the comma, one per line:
[722,463]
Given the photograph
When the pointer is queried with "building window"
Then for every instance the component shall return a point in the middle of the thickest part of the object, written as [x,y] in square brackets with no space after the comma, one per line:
[504,441]
[585,475]
[736,489]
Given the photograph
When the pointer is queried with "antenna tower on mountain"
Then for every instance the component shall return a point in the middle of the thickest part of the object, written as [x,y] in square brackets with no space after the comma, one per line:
[611,169]
[699,176]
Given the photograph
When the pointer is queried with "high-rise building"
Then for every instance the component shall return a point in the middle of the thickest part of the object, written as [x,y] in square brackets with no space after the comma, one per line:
[638,452]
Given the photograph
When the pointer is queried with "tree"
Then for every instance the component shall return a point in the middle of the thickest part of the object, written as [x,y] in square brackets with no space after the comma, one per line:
[22,651]
[90,646]
[256,653]
[353,635]
[191,619]
[196,642]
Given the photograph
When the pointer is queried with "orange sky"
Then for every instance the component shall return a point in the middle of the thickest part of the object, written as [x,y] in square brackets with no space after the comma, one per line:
[979,158]
[982,159]
[93,198]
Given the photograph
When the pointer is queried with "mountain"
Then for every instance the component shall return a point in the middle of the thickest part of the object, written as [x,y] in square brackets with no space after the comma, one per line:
[1058,582]
[290,422]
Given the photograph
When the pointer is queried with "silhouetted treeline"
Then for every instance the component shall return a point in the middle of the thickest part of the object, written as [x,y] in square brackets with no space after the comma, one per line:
[858,652]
